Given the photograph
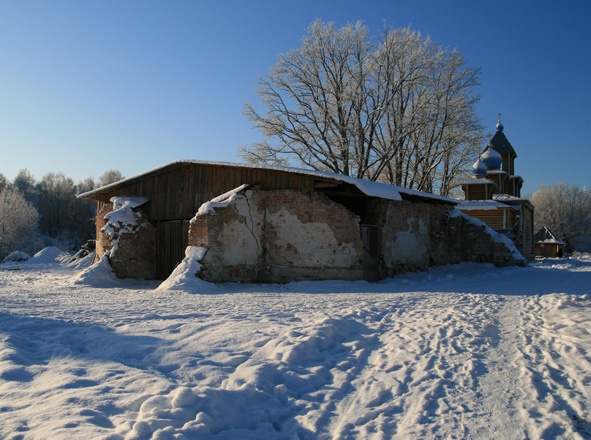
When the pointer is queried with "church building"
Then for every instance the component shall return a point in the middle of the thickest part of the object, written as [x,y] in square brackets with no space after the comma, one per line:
[493,194]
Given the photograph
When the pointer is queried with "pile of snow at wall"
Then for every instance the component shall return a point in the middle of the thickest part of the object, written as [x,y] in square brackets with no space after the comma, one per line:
[97,275]
[184,276]
[84,262]
[462,351]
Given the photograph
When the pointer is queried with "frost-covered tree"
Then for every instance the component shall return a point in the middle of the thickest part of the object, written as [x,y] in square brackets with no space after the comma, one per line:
[84,212]
[4,182]
[57,195]
[64,218]
[18,223]
[25,183]
[400,110]
[110,176]
[566,210]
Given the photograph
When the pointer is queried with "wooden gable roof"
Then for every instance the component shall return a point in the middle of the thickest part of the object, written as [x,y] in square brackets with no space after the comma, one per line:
[271,177]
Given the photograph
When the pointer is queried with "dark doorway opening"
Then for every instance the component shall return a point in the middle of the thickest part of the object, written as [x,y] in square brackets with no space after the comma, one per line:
[370,237]
[173,239]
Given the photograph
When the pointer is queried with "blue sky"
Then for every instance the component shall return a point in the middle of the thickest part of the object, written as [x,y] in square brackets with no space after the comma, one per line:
[87,86]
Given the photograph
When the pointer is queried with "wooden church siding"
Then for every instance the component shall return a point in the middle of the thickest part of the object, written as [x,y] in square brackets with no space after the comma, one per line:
[492,217]
[478,192]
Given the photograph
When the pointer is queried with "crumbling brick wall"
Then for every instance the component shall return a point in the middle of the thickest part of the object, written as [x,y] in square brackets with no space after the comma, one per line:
[309,236]
[417,235]
[135,254]
[406,237]
[232,236]
[454,239]
[278,236]
[103,241]
[287,235]
[461,238]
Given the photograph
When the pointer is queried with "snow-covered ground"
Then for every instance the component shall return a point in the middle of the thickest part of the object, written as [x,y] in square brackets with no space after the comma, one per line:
[460,352]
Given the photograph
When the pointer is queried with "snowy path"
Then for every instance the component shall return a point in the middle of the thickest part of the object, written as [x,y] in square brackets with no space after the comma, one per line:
[500,386]
[465,352]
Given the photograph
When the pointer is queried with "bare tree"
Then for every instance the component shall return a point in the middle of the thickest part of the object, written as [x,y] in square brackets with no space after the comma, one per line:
[313,98]
[401,111]
[566,210]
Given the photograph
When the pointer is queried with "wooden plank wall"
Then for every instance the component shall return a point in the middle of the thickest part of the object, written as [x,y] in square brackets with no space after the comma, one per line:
[495,218]
[177,193]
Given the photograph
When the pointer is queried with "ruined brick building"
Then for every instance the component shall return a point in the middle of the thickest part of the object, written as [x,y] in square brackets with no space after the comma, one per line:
[274,224]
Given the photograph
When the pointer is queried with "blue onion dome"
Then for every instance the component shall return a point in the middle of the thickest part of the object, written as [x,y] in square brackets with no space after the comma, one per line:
[500,126]
[491,157]
[479,168]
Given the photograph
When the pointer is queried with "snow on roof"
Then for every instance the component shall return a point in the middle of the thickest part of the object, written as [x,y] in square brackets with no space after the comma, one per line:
[508,198]
[546,235]
[369,188]
[472,205]
[480,180]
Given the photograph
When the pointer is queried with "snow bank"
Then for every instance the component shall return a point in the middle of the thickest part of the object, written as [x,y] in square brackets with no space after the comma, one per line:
[184,276]
[49,255]
[16,257]
[98,275]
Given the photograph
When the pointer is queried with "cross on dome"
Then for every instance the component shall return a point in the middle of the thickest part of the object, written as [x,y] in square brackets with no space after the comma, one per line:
[500,126]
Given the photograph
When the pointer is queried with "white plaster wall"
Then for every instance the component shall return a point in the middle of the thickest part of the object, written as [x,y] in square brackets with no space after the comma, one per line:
[241,238]
[308,244]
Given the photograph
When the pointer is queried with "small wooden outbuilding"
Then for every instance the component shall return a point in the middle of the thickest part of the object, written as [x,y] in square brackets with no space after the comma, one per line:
[548,244]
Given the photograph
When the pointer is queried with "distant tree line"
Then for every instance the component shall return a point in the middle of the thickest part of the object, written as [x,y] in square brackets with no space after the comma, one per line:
[566,210]
[35,214]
